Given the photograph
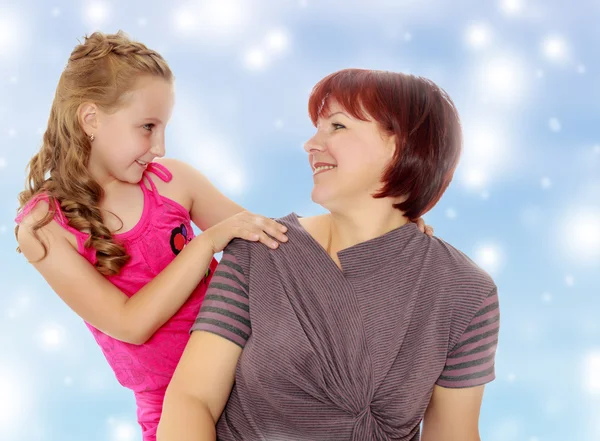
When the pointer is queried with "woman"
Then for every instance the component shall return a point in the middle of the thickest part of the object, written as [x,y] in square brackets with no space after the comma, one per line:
[359,327]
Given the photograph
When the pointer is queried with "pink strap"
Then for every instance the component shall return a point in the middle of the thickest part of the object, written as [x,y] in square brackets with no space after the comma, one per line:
[59,216]
[163,174]
[160,170]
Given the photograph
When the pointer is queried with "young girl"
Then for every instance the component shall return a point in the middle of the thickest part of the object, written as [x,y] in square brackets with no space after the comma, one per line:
[101,221]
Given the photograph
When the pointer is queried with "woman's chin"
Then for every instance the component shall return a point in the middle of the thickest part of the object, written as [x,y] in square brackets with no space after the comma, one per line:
[323,197]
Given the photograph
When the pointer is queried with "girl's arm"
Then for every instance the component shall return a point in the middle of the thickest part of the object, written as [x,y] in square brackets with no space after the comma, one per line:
[208,206]
[97,301]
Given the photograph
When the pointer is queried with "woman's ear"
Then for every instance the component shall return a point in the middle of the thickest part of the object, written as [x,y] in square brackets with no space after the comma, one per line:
[391,144]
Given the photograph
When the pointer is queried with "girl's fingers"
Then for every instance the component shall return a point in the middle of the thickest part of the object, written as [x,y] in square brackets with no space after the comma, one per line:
[265,239]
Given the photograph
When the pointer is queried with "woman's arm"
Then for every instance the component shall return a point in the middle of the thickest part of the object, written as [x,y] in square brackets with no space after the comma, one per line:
[205,375]
[453,411]
[453,414]
[199,389]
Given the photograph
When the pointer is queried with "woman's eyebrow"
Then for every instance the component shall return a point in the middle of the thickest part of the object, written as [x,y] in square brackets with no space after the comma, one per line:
[337,113]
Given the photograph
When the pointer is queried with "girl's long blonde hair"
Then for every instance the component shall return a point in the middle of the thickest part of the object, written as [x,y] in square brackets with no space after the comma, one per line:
[100,70]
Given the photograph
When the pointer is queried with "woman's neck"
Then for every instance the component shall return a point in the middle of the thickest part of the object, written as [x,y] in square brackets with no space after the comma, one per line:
[351,228]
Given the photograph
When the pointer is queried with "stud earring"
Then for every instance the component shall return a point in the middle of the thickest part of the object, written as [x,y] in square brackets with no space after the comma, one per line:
[92,137]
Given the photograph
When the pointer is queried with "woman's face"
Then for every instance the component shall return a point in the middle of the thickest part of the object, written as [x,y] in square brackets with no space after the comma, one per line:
[348,157]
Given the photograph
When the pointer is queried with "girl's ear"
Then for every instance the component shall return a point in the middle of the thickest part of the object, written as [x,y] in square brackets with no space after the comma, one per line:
[87,113]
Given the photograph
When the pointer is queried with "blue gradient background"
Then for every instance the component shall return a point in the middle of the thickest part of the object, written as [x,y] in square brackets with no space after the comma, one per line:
[525,202]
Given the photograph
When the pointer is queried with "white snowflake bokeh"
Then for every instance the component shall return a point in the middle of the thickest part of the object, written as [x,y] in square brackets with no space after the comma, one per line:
[524,203]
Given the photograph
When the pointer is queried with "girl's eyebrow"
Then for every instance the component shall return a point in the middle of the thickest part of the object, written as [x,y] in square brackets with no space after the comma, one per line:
[156,120]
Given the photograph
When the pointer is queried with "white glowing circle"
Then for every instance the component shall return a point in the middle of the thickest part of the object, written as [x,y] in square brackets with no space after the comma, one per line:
[3,229]
[2,162]
[485,145]
[11,33]
[597,149]
[277,41]
[547,297]
[122,430]
[68,381]
[278,123]
[502,79]
[225,14]
[12,133]
[591,377]
[581,233]
[203,18]
[489,258]
[142,21]
[581,69]
[451,213]
[511,378]
[408,36]
[485,153]
[255,59]
[554,125]
[233,181]
[52,337]
[16,399]
[56,12]
[555,48]
[478,36]
[569,280]
[97,13]
[475,178]
[511,6]
[185,21]
[546,183]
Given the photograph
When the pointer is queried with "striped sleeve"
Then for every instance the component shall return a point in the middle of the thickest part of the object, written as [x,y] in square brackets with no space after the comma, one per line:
[471,362]
[225,310]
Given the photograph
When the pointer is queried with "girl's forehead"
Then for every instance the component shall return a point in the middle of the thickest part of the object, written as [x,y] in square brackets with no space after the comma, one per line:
[151,99]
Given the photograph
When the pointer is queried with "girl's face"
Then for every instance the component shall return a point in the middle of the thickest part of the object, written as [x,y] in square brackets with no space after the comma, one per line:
[348,158]
[127,140]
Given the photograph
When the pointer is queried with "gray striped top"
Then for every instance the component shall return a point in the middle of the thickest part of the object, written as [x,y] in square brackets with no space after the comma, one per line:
[349,354]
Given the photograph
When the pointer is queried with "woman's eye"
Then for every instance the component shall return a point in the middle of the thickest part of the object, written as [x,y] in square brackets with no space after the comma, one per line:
[337,126]
[148,126]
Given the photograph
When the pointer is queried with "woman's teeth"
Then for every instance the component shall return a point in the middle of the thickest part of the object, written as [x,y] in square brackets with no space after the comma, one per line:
[322,168]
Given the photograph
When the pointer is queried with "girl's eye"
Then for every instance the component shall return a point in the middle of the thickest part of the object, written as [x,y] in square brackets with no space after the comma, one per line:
[337,126]
[148,126]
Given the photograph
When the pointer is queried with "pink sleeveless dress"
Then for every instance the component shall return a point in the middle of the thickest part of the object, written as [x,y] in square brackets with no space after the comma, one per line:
[162,232]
